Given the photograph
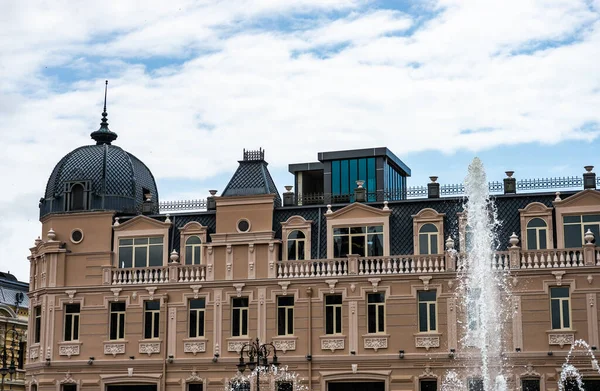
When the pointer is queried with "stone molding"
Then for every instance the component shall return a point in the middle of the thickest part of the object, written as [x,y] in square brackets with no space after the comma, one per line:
[114,348]
[285,344]
[236,345]
[561,339]
[376,343]
[69,349]
[34,352]
[149,348]
[194,347]
[333,343]
[427,341]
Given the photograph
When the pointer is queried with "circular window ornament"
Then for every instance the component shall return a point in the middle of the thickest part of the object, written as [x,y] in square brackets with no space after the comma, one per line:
[243,225]
[76,236]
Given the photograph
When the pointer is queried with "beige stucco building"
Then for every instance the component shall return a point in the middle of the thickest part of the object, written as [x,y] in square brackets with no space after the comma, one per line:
[354,285]
[13,331]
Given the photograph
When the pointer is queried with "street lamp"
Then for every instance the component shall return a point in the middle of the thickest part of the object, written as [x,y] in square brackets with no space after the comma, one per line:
[258,356]
[8,367]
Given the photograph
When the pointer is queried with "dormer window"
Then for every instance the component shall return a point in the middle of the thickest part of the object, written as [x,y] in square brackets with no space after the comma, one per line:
[193,250]
[140,252]
[77,196]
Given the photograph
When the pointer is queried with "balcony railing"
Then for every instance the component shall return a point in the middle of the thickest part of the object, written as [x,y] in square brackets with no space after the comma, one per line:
[353,265]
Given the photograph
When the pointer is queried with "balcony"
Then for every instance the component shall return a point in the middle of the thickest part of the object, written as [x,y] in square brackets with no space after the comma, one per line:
[173,273]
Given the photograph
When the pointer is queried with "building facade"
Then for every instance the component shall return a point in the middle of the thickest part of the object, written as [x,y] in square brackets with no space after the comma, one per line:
[14,305]
[351,277]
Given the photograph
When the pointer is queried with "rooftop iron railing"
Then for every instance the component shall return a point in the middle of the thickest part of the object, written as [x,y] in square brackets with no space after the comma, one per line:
[412,192]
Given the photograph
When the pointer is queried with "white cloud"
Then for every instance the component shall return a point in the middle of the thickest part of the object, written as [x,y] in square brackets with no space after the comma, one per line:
[525,70]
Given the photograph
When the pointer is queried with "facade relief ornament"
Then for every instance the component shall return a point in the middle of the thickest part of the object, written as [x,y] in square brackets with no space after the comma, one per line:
[195,289]
[68,350]
[558,276]
[428,373]
[375,283]
[561,339]
[236,346]
[284,286]
[194,347]
[427,342]
[114,348]
[68,379]
[116,292]
[151,290]
[238,289]
[425,280]
[34,353]
[71,294]
[376,343]
[149,348]
[285,344]
[194,378]
[332,344]
[331,284]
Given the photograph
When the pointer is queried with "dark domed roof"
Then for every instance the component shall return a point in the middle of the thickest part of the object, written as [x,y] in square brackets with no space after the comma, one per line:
[106,178]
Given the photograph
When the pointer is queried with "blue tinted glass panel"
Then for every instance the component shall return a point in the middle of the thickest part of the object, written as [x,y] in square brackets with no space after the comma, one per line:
[371,185]
[335,177]
[344,176]
[362,169]
[353,173]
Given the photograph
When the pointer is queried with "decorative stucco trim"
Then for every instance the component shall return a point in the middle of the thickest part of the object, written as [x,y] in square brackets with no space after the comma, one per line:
[427,341]
[149,348]
[428,216]
[333,342]
[375,341]
[70,348]
[292,224]
[194,346]
[115,347]
[561,338]
[532,211]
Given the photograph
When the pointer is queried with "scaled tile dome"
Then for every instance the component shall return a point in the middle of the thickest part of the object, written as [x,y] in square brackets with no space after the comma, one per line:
[99,177]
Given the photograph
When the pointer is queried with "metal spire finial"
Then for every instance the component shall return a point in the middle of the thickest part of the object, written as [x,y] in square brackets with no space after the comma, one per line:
[104,135]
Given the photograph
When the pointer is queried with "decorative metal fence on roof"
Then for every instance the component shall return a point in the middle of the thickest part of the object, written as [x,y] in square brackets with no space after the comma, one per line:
[412,192]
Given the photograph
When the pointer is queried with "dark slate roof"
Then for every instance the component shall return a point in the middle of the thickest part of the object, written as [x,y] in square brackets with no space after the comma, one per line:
[252,177]
[10,287]
[116,176]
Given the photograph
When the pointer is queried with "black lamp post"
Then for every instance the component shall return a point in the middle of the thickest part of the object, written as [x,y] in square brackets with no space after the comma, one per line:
[8,364]
[258,356]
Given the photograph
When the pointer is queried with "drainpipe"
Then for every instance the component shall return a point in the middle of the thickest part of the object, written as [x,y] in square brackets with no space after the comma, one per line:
[166,350]
[309,342]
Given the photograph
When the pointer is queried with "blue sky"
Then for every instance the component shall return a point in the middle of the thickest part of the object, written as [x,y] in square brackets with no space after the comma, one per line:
[192,83]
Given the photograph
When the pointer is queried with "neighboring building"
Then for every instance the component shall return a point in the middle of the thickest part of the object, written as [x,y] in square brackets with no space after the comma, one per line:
[356,295]
[14,305]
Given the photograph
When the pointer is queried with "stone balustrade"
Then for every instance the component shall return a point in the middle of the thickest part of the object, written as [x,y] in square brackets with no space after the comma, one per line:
[159,274]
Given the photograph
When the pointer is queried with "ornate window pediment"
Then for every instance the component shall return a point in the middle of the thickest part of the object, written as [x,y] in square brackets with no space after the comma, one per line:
[374,221]
[536,227]
[296,247]
[584,205]
[428,232]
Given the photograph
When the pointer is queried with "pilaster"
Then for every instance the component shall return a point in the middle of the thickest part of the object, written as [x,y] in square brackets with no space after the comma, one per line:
[517,323]
[262,314]
[353,327]
[592,318]
[218,319]
[251,262]
[172,337]
[452,332]
[229,262]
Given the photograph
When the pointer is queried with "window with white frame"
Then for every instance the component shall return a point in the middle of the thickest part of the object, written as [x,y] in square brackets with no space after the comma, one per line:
[333,314]
[576,226]
[141,252]
[376,312]
[285,315]
[151,319]
[560,307]
[72,322]
[428,239]
[427,311]
[296,243]
[196,317]
[363,241]
[117,320]
[537,234]
[193,250]
[239,317]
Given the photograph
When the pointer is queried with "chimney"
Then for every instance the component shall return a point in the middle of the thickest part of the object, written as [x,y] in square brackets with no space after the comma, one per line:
[433,188]
[211,203]
[589,178]
[288,196]
[360,193]
[510,183]
[147,206]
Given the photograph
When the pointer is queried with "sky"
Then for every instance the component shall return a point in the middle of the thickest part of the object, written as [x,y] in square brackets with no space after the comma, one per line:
[193,83]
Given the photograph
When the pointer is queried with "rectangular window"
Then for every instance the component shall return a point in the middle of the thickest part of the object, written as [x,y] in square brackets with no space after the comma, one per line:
[428,385]
[363,241]
[333,314]
[475,384]
[239,317]
[117,320]
[141,252]
[38,324]
[376,312]
[285,315]
[196,318]
[240,386]
[71,322]
[285,386]
[194,387]
[473,308]
[560,304]
[575,228]
[69,387]
[530,385]
[427,311]
[151,319]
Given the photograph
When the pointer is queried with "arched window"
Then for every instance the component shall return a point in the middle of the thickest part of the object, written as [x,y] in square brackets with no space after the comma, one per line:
[193,253]
[295,245]
[428,239]
[537,234]
[77,197]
